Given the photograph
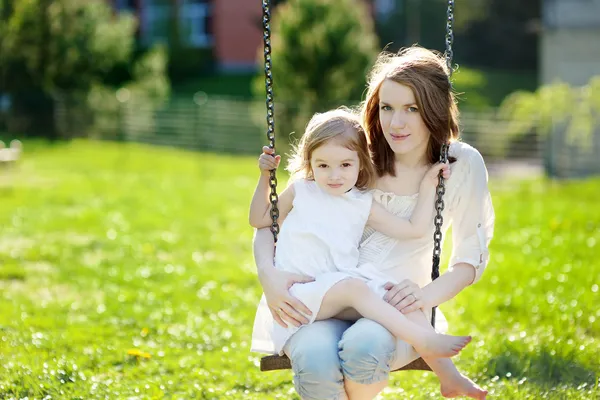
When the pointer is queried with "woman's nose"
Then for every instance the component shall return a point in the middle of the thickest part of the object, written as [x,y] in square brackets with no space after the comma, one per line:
[398,121]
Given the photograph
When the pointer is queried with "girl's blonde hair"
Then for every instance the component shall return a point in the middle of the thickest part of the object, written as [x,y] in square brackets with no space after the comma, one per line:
[342,125]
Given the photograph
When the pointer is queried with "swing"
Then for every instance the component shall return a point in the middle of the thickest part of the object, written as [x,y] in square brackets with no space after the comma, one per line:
[276,362]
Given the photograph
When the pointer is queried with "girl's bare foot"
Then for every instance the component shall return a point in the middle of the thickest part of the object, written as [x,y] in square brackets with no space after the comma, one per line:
[437,345]
[460,385]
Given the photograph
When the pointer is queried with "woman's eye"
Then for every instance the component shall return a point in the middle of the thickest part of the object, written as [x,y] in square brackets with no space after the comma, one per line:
[386,108]
[346,165]
[322,165]
[413,109]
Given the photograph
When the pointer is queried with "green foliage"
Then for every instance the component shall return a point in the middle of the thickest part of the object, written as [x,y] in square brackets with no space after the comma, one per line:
[62,45]
[322,50]
[51,50]
[557,104]
[112,253]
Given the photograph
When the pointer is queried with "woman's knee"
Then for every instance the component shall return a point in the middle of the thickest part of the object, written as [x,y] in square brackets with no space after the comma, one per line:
[315,360]
[367,351]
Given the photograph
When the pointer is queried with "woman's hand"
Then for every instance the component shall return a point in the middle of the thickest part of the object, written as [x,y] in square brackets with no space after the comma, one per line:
[266,161]
[406,296]
[283,306]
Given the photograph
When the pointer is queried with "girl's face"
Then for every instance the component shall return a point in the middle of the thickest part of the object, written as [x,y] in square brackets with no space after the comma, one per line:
[400,119]
[335,167]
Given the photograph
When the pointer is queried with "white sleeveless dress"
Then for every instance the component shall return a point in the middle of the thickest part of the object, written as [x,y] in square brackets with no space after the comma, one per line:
[319,238]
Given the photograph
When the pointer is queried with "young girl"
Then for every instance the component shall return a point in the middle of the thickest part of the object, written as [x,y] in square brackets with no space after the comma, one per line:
[326,208]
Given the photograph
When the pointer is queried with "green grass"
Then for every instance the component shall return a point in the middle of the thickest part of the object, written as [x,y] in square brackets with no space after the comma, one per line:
[126,273]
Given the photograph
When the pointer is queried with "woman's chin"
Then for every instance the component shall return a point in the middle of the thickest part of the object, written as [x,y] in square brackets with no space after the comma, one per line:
[402,148]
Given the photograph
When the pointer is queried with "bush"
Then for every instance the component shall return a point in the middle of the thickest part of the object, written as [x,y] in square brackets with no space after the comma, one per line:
[322,50]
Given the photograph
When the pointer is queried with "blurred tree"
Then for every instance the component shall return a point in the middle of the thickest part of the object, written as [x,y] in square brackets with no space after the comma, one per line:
[486,31]
[322,50]
[503,35]
[49,47]
[565,115]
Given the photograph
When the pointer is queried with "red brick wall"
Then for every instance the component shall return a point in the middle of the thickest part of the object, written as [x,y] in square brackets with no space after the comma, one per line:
[237,30]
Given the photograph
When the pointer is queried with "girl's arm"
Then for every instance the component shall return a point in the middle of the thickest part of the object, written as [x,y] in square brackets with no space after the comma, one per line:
[419,222]
[260,207]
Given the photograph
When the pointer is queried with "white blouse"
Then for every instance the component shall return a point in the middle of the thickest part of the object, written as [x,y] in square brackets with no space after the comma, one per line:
[468,208]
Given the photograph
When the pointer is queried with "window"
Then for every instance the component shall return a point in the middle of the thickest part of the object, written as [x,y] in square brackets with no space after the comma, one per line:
[125,5]
[193,22]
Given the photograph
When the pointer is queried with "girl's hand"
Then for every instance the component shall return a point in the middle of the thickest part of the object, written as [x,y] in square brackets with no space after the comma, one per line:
[266,161]
[283,306]
[431,177]
[406,296]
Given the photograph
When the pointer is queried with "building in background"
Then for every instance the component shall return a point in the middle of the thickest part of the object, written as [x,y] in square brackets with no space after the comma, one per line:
[232,29]
[570,41]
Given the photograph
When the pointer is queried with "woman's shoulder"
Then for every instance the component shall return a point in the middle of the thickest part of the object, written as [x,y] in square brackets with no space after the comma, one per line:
[467,157]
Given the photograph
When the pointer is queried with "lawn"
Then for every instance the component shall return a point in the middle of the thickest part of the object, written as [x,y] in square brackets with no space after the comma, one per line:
[126,273]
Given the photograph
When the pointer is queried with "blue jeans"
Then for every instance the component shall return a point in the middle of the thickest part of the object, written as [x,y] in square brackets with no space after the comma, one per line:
[326,352]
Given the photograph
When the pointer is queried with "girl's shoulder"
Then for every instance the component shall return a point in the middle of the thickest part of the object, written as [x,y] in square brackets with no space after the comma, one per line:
[304,187]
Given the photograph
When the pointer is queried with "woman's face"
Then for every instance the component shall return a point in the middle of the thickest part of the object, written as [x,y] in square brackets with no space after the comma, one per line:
[400,119]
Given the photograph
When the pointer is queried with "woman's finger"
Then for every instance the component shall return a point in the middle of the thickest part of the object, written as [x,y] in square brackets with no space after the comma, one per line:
[298,305]
[413,307]
[277,318]
[406,301]
[394,290]
[401,295]
[293,314]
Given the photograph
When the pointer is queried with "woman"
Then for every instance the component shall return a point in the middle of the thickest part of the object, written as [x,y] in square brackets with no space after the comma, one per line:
[409,112]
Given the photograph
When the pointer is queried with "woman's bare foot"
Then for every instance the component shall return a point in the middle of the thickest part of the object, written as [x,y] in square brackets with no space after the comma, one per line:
[460,385]
[436,345]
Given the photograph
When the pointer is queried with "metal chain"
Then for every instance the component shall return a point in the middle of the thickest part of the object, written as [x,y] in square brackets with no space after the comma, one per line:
[266,8]
[449,35]
[441,188]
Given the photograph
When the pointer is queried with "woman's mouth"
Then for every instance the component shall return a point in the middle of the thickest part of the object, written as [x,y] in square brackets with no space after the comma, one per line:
[334,185]
[399,137]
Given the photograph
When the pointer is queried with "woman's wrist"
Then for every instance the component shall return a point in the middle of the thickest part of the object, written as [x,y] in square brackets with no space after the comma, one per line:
[264,272]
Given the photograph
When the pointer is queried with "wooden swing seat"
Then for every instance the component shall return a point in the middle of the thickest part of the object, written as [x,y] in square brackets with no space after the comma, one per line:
[275,362]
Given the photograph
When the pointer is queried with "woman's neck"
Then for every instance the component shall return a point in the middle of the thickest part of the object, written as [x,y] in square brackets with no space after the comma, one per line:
[412,160]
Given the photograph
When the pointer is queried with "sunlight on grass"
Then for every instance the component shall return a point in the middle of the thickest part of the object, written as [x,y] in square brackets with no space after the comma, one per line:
[126,272]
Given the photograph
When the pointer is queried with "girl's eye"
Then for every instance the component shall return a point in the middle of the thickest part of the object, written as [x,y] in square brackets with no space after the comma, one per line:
[413,109]
[346,165]
[386,108]
[322,165]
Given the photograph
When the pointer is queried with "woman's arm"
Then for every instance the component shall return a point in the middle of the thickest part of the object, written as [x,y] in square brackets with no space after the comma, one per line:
[276,283]
[407,296]
[472,230]
[448,285]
